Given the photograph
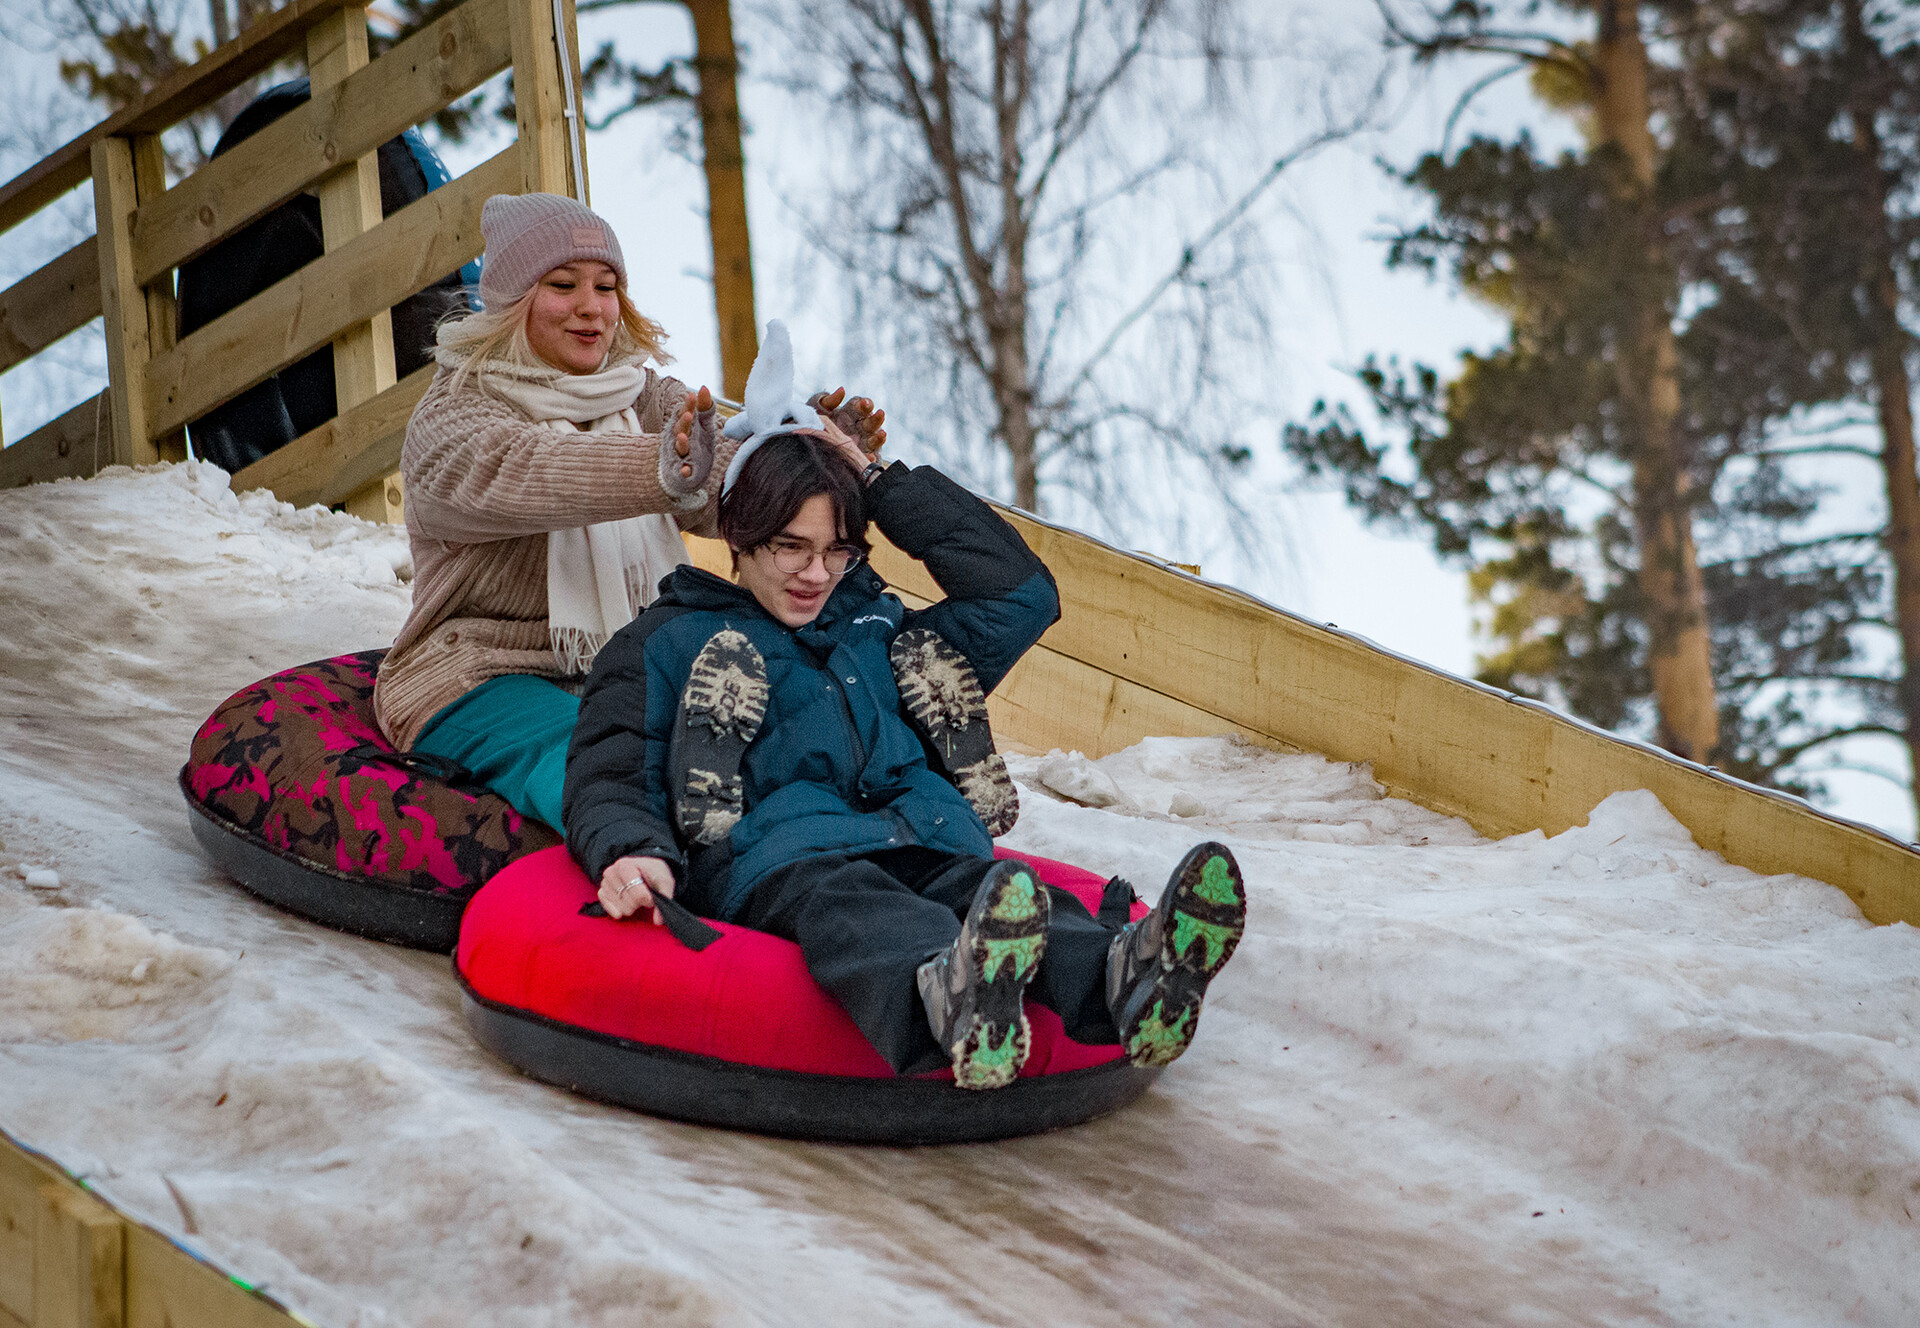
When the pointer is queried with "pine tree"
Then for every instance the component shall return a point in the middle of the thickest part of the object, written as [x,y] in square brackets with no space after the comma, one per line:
[1572,251]
[1803,117]
[1634,410]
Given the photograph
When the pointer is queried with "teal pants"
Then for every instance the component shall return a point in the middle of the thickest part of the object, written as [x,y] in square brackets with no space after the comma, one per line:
[512,733]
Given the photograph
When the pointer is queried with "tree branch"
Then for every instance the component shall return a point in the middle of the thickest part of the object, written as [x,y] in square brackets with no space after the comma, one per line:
[1191,253]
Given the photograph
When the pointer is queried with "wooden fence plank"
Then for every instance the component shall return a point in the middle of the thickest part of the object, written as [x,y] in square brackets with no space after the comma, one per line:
[1050,699]
[408,84]
[169,1288]
[256,49]
[19,1199]
[415,246]
[79,1261]
[343,455]
[48,304]
[74,446]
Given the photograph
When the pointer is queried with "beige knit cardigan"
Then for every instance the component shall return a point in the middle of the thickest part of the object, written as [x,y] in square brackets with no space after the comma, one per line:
[484,485]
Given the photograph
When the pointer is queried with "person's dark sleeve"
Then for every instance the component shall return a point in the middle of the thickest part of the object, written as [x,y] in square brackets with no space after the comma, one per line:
[1000,596]
[614,804]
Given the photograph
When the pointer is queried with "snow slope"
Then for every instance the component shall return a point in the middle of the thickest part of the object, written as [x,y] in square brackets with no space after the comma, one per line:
[1601,1078]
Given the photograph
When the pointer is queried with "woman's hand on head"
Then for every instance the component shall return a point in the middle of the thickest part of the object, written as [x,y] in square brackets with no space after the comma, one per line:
[696,433]
[858,419]
[630,885]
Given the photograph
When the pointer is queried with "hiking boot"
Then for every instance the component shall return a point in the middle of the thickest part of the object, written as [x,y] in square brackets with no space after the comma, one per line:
[975,990]
[1158,968]
[720,713]
[944,698]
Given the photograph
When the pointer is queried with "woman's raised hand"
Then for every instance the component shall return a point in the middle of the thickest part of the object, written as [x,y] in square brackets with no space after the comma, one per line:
[858,419]
[630,885]
[696,432]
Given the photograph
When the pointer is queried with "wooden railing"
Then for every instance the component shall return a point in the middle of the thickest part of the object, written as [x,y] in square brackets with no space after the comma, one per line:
[145,230]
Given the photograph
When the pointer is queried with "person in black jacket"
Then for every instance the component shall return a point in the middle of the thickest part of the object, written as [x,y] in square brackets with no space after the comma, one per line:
[797,752]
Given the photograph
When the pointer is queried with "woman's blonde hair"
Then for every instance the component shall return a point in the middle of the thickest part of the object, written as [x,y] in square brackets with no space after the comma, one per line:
[489,336]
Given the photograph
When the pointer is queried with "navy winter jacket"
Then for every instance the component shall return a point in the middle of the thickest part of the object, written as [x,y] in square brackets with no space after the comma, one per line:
[836,768]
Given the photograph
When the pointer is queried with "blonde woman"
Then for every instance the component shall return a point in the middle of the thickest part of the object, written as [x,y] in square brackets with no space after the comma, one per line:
[544,500]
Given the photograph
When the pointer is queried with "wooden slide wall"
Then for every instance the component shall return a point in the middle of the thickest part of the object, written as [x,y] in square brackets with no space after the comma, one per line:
[1143,649]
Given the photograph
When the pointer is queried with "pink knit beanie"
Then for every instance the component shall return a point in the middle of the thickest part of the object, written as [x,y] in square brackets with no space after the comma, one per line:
[528,235]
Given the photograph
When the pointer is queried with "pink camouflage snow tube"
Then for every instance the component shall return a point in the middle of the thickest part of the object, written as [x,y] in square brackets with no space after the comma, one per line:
[298,794]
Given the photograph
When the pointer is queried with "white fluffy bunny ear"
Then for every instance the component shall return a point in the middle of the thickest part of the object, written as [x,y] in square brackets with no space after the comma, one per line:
[770,384]
[770,404]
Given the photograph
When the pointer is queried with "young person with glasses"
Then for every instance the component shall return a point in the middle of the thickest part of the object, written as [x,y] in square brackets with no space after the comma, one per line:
[796,751]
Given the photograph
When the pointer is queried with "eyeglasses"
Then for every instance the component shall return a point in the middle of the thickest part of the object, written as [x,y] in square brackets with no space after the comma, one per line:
[838,559]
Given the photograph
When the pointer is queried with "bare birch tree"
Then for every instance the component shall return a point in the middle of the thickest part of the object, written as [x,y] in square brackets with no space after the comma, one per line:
[1050,233]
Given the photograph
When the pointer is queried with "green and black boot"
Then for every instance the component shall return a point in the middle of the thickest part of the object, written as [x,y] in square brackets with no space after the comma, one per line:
[1158,968]
[975,990]
[720,713]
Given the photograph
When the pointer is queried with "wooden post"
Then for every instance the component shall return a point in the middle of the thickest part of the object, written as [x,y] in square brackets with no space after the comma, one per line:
[726,164]
[539,101]
[349,207]
[123,304]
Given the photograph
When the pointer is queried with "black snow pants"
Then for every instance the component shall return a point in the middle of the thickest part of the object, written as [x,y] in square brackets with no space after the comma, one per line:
[865,924]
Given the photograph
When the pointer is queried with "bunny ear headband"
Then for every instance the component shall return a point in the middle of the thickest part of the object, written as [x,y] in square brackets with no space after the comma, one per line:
[771,407]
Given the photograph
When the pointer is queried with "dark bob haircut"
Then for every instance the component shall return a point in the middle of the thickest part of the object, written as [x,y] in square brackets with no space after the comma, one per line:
[778,479]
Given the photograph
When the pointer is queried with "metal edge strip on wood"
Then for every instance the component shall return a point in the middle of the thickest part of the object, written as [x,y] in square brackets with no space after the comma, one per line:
[257,48]
[76,445]
[539,104]
[446,59]
[47,304]
[408,251]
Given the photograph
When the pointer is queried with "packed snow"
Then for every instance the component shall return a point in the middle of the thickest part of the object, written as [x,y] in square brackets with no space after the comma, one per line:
[1598,1078]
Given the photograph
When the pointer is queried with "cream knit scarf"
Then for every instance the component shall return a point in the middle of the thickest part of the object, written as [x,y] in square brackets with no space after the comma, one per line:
[600,576]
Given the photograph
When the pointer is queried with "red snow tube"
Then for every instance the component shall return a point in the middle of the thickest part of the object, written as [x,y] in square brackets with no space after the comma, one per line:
[294,790]
[737,1034]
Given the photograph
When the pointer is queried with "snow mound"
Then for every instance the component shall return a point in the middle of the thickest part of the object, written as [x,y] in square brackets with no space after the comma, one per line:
[116,583]
[1230,781]
[81,973]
